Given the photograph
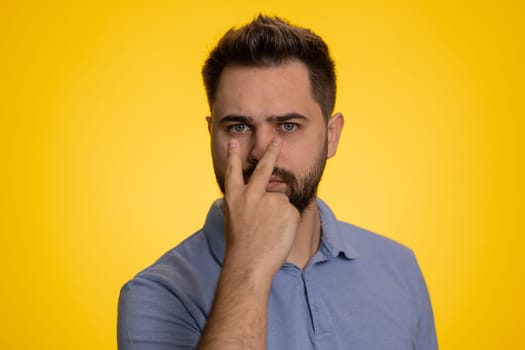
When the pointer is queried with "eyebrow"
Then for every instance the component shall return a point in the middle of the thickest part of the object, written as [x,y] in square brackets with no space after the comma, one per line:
[289,116]
[235,118]
[278,118]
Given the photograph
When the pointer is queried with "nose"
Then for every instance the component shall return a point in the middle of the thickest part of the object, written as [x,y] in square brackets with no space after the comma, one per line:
[260,141]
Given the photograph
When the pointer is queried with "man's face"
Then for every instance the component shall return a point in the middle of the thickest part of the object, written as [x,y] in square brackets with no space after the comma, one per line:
[255,104]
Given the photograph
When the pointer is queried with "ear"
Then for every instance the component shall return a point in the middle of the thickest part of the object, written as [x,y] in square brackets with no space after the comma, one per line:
[209,121]
[334,128]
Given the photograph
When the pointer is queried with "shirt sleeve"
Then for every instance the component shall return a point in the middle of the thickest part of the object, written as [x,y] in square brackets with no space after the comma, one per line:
[152,317]
[426,333]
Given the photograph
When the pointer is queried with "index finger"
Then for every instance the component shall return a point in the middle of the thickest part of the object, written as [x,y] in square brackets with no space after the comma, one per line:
[264,168]
[233,177]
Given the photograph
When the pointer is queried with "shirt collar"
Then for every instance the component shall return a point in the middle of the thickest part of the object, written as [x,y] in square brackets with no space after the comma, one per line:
[333,238]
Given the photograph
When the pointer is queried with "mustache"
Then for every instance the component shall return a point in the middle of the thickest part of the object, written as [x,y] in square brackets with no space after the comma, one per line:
[282,174]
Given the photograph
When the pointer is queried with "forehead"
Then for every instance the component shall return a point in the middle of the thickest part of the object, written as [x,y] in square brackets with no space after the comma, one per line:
[263,91]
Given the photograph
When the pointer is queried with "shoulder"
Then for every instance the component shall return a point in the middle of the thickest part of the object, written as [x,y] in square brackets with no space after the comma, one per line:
[359,242]
[368,243]
[175,290]
[376,251]
[180,268]
[187,273]
[382,256]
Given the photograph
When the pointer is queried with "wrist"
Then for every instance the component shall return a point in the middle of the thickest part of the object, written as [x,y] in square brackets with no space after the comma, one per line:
[249,276]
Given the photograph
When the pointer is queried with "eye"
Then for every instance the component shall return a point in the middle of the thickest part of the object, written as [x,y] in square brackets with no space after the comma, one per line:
[238,128]
[288,127]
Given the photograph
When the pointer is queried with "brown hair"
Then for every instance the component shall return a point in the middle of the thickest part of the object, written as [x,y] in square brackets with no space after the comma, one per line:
[270,41]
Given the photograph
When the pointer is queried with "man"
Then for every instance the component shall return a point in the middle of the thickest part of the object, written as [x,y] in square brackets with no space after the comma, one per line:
[272,267]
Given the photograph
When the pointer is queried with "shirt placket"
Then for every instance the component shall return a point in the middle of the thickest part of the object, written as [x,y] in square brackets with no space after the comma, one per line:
[322,330]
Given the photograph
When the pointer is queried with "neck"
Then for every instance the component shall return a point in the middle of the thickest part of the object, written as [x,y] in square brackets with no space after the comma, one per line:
[307,237]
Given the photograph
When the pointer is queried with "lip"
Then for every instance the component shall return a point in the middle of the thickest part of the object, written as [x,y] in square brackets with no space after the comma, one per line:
[274,185]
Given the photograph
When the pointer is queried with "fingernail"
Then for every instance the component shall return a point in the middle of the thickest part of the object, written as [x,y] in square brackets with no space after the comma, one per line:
[276,141]
[232,144]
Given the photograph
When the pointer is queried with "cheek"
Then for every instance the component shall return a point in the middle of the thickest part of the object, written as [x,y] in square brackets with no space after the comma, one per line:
[218,150]
[300,155]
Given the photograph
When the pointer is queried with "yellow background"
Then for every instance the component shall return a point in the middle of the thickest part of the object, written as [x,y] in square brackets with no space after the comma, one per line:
[106,165]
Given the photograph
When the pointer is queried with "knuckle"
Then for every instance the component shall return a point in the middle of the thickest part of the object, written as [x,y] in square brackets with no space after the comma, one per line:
[229,170]
[278,199]
[229,198]
[252,196]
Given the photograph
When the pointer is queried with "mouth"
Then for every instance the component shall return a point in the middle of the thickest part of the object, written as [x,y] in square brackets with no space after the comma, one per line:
[274,184]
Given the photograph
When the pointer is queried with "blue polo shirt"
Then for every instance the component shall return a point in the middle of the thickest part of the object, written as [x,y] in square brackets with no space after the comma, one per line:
[359,291]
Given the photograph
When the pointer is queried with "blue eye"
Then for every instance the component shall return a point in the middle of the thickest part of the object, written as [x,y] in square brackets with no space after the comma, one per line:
[288,127]
[238,128]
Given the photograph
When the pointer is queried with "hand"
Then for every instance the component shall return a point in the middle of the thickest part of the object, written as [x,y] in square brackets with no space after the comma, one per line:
[260,226]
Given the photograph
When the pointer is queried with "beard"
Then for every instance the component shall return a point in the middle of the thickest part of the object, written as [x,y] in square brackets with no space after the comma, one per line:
[301,191]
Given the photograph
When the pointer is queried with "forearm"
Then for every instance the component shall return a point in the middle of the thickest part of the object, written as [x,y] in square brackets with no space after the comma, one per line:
[239,313]
[260,229]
